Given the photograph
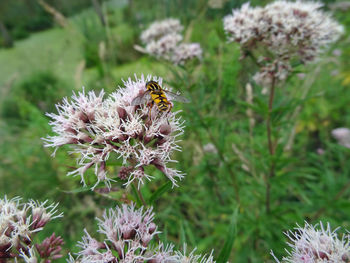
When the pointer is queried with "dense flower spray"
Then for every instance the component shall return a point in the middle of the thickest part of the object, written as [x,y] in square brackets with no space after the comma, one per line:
[163,39]
[317,244]
[19,223]
[282,32]
[128,233]
[98,128]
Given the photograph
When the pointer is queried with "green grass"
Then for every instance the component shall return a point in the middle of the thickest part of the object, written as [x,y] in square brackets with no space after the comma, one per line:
[56,49]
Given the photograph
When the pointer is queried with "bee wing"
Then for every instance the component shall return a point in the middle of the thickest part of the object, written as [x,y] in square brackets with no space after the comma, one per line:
[141,99]
[176,97]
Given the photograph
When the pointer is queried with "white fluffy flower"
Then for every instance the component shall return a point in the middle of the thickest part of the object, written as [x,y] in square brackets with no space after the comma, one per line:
[163,254]
[186,52]
[127,233]
[296,29]
[19,222]
[164,47]
[98,128]
[317,244]
[244,24]
[163,40]
[182,257]
[161,28]
[342,135]
[281,33]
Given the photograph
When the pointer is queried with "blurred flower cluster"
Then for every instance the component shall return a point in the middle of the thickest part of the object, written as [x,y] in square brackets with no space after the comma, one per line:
[19,222]
[163,40]
[342,135]
[97,128]
[127,235]
[282,32]
[317,244]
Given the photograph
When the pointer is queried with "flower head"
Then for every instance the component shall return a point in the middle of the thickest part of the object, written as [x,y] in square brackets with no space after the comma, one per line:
[281,32]
[159,29]
[98,128]
[19,222]
[50,248]
[317,244]
[186,52]
[286,28]
[342,135]
[127,235]
[163,40]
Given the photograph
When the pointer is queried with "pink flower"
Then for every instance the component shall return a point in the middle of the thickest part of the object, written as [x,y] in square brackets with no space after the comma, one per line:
[316,244]
[19,223]
[163,40]
[342,135]
[127,236]
[281,34]
[98,128]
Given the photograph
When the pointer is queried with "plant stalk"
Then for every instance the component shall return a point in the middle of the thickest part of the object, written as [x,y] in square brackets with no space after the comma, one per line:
[140,195]
[271,146]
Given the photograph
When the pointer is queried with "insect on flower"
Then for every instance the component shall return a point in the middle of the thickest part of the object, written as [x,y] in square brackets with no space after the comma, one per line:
[155,94]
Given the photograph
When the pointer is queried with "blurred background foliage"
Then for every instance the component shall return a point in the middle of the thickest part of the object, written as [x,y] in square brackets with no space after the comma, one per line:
[43,61]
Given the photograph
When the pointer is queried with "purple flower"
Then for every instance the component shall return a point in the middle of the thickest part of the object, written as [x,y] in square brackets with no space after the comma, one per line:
[19,222]
[127,232]
[280,33]
[98,128]
[127,235]
[316,244]
[50,248]
[285,28]
[163,40]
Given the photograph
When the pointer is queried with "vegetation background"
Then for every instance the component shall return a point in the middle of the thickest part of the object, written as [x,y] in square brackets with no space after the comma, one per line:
[44,57]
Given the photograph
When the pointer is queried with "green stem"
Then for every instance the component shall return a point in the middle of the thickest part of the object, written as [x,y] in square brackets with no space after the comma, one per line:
[270,145]
[139,194]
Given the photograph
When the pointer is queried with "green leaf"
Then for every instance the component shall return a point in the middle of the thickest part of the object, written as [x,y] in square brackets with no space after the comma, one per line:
[191,236]
[182,233]
[78,190]
[159,192]
[231,234]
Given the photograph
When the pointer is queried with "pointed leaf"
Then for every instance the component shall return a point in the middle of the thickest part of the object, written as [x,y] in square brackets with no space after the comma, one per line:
[231,234]
[159,192]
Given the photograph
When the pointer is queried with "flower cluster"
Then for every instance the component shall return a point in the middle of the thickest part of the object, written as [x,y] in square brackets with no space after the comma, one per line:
[19,222]
[163,40]
[127,235]
[99,128]
[282,31]
[313,244]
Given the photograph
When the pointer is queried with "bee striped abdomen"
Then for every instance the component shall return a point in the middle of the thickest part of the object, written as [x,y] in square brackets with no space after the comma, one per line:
[160,100]
[162,106]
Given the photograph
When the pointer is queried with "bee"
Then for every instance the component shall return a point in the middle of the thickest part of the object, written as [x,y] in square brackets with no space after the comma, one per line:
[155,94]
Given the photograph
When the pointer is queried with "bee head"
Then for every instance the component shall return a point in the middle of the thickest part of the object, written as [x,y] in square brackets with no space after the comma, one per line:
[152,85]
